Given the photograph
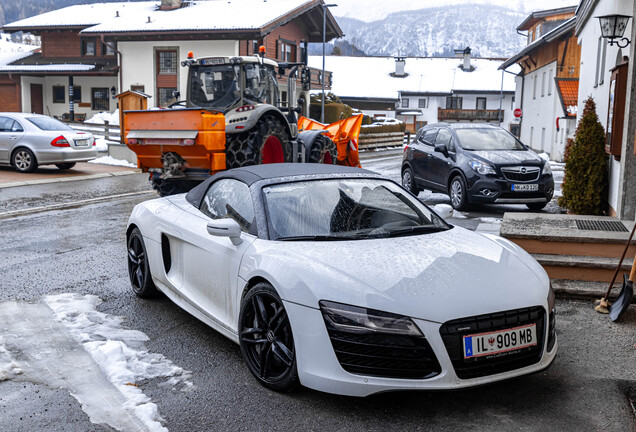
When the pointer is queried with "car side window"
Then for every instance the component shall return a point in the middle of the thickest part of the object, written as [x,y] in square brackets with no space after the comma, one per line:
[444,137]
[17,127]
[428,137]
[6,124]
[229,198]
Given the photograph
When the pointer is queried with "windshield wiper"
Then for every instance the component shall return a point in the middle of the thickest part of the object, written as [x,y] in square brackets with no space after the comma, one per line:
[328,237]
[425,229]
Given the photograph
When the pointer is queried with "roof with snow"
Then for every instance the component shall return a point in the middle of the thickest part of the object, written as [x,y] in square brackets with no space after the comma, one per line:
[371,76]
[197,16]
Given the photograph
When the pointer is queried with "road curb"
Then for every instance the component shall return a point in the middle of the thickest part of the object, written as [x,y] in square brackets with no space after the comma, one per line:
[68,179]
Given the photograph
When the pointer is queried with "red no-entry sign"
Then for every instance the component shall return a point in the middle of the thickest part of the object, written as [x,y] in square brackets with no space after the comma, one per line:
[517,112]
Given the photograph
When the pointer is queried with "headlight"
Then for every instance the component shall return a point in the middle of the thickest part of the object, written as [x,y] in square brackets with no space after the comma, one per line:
[481,168]
[547,169]
[354,319]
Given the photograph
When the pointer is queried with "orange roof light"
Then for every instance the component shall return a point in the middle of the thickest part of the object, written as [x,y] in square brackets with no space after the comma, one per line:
[190,54]
[261,49]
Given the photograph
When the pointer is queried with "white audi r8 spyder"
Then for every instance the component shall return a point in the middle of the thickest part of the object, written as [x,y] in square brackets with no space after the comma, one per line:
[340,280]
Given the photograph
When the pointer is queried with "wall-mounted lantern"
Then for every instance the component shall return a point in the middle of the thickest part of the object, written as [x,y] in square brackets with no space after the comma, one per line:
[613,27]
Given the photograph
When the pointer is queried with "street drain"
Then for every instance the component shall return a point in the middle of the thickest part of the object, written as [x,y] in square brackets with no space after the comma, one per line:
[600,225]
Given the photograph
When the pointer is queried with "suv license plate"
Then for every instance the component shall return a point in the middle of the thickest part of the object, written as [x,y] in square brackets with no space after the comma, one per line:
[533,187]
[483,344]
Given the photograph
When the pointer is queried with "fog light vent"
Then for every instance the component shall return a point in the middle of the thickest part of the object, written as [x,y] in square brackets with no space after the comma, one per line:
[165,252]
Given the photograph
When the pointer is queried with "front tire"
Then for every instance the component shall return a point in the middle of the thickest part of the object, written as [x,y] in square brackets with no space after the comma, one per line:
[536,206]
[24,160]
[65,165]
[266,339]
[267,142]
[138,266]
[408,181]
[458,193]
[323,150]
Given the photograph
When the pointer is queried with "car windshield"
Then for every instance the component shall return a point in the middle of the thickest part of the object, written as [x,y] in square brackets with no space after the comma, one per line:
[345,209]
[213,86]
[49,124]
[487,139]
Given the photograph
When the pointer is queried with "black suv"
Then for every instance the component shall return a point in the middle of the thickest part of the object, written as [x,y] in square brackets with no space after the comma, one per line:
[476,163]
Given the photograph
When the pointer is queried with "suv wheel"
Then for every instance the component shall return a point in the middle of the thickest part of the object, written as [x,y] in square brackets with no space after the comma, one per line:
[408,181]
[458,193]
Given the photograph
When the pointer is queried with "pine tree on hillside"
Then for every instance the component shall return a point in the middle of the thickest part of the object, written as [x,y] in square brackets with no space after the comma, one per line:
[585,182]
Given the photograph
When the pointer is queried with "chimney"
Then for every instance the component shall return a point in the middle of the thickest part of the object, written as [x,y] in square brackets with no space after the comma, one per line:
[399,67]
[466,65]
[170,4]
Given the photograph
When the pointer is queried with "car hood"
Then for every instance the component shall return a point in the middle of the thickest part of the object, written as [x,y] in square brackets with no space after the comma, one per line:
[505,157]
[435,277]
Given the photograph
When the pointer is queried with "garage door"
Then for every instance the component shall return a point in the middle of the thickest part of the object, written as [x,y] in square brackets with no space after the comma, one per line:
[9,100]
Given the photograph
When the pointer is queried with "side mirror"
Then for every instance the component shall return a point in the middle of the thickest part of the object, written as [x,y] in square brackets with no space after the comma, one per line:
[226,228]
[444,211]
[442,149]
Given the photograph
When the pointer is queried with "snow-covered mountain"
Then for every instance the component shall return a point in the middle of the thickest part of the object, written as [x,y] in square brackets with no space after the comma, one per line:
[490,31]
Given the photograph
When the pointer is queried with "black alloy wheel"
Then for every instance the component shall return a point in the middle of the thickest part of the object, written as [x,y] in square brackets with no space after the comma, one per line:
[408,181]
[24,160]
[266,339]
[138,268]
[458,193]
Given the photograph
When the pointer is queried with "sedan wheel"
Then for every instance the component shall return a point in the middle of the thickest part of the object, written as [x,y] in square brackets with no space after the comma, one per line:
[65,165]
[138,267]
[24,160]
[266,339]
[458,197]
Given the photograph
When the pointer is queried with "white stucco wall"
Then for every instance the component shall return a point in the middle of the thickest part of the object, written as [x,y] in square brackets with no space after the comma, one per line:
[591,58]
[138,61]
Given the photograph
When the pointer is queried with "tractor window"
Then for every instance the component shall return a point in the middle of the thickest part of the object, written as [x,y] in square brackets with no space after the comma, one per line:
[260,84]
[213,86]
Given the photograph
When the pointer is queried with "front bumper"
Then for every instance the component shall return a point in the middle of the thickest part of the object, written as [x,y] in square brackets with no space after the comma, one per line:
[65,155]
[319,368]
[494,190]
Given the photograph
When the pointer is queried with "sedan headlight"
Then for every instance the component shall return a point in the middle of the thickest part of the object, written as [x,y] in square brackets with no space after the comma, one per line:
[354,319]
[547,169]
[481,168]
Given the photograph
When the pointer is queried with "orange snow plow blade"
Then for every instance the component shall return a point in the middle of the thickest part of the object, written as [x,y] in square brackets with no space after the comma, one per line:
[343,133]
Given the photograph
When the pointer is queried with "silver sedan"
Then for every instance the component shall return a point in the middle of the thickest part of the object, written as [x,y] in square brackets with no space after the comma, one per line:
[30,140]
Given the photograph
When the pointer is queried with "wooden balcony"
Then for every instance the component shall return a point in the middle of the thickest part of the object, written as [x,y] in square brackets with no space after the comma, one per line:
[468,115]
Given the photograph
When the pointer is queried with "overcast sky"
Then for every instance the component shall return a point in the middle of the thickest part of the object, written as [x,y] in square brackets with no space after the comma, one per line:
[370,10]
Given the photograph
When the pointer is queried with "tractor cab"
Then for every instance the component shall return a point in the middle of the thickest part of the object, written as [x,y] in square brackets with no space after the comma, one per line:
[223,83]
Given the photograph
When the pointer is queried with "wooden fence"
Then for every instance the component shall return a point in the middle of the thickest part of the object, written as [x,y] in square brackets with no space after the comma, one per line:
[377,140]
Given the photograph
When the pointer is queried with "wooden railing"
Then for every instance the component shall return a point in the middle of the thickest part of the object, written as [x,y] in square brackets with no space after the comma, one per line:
[376,140]
[469,115]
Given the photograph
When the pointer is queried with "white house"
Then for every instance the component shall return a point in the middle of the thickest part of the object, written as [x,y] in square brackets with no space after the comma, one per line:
[422,90]
[600,61]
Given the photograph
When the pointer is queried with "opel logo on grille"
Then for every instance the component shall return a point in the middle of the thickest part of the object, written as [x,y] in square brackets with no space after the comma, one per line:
[523,170]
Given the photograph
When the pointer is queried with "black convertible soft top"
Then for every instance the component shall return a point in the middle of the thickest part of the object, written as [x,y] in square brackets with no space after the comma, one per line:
[253,173]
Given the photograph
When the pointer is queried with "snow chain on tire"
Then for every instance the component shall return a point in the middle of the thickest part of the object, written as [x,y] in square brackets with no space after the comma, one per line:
[320,147]
[246,148]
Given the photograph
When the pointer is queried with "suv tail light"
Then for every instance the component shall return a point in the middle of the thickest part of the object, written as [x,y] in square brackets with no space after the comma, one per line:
[60,142]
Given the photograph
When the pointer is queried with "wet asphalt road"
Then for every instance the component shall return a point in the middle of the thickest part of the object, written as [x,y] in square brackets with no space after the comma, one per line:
[81,249]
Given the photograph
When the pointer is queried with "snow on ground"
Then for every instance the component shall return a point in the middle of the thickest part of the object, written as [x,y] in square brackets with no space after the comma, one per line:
[109,160]
[490,220]
[103,117]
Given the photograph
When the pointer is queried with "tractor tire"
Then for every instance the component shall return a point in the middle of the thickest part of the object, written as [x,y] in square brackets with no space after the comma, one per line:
[323,150]
[267,142]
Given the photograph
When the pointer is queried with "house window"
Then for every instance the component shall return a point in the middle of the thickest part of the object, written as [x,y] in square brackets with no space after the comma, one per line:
[405,103]
[453,102]
[542,138]
[512,106]
[531,135]
[108,49]
[481,103]
[543,84]
[534,87]
[287,51]
[303,53]
[59,94]
[77,93]
[601,77]
[421,103]
[550,82]
[139,88]
[99,99]
[167,62]
[420,124]
[88,47]
[598,60]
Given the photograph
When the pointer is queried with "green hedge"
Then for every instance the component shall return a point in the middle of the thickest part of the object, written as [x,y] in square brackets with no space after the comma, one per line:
[333,111]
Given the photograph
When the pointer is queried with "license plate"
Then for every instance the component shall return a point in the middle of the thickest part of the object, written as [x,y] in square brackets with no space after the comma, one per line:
[533,187]
[484,344]
[81,142]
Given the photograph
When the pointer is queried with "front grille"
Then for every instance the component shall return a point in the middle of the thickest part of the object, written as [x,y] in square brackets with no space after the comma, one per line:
[521,173]
[384,355]
[452,333]
[165,252]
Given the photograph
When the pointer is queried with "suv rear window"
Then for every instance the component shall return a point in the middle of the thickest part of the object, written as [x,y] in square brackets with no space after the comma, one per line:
[487,139]
[48,124]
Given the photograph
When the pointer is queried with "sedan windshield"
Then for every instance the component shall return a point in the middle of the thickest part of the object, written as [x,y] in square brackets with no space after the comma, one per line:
[487,139]
[48,124]
[345,209]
